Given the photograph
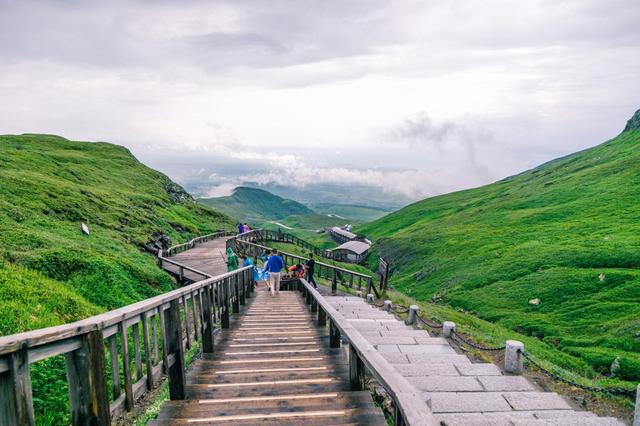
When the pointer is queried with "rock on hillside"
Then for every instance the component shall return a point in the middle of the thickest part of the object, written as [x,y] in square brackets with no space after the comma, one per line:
[634,122]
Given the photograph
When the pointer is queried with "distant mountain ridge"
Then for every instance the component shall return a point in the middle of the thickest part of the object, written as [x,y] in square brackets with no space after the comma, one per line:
[256,205]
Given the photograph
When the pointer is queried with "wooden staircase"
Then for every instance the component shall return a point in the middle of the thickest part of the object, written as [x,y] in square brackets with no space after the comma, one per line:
[272,366]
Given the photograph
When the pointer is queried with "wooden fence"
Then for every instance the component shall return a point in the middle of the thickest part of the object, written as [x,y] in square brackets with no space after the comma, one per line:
[250,244]
[112,359]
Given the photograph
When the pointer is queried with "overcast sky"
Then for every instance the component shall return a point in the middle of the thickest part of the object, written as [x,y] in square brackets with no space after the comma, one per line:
[411,97]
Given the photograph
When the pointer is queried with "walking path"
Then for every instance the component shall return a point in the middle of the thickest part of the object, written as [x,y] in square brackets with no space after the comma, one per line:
[272,366]
[207,257]
[458,391]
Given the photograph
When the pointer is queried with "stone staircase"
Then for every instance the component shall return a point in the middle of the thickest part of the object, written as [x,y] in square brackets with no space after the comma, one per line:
[458,391]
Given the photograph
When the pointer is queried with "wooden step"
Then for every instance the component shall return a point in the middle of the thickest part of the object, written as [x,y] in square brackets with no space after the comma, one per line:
[361,416]
[288,402]
[202,391]
[323,371]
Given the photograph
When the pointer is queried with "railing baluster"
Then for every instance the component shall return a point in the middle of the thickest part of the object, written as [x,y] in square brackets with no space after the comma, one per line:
[115,367]
[135,330]
[163,335]
[16,400]
[195,297]
[154,339]
[173,330]
[88,398]
[334,335]
[356,370]
[185,306]
[147,349]
[224,320]
[126,366]
[236,296]
[207,325]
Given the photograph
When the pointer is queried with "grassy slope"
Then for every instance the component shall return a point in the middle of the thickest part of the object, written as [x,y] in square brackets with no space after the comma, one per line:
[50,273]
[49,185]
[252,205]
[548,233]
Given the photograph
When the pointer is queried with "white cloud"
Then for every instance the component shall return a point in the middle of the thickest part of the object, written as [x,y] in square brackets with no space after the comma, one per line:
[507,84]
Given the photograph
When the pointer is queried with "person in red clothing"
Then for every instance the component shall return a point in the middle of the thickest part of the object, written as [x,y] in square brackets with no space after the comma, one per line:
[297,271]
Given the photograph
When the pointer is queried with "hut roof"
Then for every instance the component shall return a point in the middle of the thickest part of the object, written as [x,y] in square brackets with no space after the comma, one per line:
[346,234]
[357,247]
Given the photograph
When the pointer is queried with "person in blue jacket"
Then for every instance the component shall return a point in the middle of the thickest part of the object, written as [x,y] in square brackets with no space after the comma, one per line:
[273,266]
[246,261]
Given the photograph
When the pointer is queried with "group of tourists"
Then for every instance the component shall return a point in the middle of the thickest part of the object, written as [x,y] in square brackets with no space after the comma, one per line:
[243,228]
[272,269]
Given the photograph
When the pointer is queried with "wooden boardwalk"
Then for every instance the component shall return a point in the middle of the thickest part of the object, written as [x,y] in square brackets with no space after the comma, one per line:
[208,257]
[272,365]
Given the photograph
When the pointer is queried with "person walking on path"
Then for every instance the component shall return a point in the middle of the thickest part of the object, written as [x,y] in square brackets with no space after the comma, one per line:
[273,266]
[247,262]
[311,267]
[232,260]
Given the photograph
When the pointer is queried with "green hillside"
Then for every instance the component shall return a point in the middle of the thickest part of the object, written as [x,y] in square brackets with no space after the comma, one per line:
[255,205]
[48,186]
[566,233]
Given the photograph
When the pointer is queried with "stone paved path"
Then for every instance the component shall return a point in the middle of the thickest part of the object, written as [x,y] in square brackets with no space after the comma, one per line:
[458,391]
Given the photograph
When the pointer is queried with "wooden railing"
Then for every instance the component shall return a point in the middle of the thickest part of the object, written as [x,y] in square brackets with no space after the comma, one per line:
[285,237]
[136,344]
[250,244]
[179,269]
[192,243]
[410,406]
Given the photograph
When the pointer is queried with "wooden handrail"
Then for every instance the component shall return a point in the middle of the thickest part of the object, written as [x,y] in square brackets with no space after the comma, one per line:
[325,270]
[180,316]
[410,405]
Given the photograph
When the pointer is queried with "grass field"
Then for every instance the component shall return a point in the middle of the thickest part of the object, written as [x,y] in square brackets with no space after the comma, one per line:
[50,272]
[565,233]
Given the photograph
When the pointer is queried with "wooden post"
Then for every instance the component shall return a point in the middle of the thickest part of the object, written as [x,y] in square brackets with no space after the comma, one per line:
[334,335]
[236,290]
[224,320]
[115,367]
[163,335]
[207,324]
[356,370]
[16,400]
[173,330]
[88,397]
[197,311]
[308,298]
[185,306]
[314,304]
[154,338]
[322,317]
[368,285]
[146,339]
[334,283]
[243,287]
[126,366]
[135,329]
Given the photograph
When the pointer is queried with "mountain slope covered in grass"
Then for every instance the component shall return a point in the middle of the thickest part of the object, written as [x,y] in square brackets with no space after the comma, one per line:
[566,233]
[256,205]
[49,271]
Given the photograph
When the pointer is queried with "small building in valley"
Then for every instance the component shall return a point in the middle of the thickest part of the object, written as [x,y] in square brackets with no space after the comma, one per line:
[341,235]
[351,251]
